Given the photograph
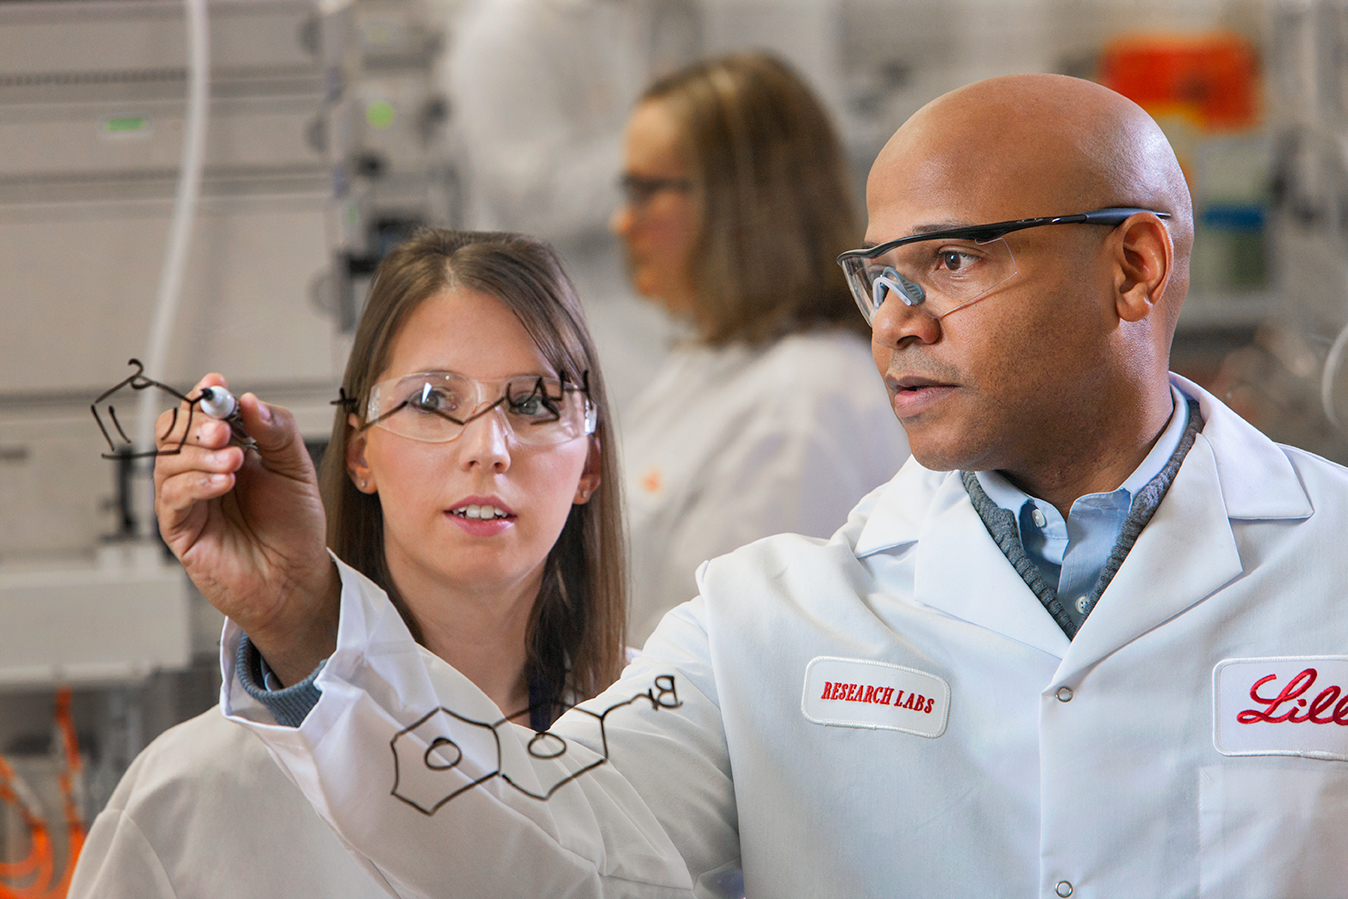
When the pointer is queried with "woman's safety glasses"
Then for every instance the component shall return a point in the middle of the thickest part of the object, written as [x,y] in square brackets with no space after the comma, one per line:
[435,407]
[944,271]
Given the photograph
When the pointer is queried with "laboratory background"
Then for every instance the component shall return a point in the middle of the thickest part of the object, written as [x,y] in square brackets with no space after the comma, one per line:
[208,185]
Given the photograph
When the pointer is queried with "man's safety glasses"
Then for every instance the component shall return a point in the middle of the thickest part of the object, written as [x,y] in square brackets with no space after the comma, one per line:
[944,271]
[435,407]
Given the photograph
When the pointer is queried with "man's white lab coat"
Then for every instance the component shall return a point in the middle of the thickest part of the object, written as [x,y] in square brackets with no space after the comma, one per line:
[1003,760]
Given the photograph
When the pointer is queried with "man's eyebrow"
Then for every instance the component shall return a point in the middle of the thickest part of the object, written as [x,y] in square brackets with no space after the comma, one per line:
[942,226]
[932,228]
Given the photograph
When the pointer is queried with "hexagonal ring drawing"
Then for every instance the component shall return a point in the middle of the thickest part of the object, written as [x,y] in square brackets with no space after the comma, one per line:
[431,766]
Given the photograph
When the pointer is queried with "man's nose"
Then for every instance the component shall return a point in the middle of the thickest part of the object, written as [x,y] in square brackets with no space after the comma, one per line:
[895,321]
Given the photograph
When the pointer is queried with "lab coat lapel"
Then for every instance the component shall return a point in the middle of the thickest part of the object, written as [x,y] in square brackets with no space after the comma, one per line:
[1183,555]
[961,571]
[1188,550]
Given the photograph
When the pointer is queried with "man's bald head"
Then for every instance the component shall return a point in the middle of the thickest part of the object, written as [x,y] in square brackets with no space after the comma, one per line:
[1021,146]
[1058,375]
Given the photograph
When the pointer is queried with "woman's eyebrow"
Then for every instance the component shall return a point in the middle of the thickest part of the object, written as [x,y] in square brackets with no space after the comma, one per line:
[458,374]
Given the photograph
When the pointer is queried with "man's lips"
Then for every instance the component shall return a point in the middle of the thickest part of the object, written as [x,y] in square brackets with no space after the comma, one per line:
[913,394]
[914,382]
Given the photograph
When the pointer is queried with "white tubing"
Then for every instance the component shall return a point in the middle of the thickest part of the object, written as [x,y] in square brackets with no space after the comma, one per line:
[184,215]
[1333,362]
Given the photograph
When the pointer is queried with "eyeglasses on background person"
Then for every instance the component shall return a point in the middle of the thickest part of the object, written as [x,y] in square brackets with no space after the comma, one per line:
[435,407]
[638,190]
[944,271]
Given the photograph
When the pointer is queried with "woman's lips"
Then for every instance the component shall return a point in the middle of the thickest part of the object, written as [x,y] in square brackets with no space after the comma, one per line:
[481,515]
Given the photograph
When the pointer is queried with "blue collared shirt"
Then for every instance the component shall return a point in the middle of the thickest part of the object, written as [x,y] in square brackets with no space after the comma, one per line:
[1070,554]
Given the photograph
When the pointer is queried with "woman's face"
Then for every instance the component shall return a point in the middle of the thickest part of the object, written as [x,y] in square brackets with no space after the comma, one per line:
[658,222]
[425,489]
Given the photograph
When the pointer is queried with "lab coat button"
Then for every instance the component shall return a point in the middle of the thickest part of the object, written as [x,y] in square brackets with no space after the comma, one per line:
[1065,695]
[1064,889]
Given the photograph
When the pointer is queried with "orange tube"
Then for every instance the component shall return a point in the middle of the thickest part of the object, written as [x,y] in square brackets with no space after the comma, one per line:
[38,868]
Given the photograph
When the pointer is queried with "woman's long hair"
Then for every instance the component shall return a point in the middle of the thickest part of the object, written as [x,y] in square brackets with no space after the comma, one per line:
[576,628]
[775,207]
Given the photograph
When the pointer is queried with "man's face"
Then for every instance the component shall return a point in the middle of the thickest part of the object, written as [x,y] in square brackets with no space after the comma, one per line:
[1014,381]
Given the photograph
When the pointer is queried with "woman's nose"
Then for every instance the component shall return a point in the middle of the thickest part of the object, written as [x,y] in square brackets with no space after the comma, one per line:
[620,222]
[485,442]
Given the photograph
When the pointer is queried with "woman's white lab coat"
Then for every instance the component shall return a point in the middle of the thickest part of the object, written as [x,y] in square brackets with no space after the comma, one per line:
[204,813]
[1132,761]
[734,443]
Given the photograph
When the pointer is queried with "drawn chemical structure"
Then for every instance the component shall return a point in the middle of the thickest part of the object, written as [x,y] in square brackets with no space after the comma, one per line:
[431,768]
[208,401]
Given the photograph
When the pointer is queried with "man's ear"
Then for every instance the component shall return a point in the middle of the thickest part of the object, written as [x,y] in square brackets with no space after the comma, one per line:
[356,466]
[590,477]
[1143,256]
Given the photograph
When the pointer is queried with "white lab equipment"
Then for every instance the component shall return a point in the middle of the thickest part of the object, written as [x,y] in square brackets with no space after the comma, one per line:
[103,155]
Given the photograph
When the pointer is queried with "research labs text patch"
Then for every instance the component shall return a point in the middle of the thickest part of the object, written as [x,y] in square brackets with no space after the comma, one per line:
[877,695]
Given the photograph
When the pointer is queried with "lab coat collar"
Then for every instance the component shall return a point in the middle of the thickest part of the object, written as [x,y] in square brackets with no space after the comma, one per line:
[1256,479]
[901,508]
[1232,472]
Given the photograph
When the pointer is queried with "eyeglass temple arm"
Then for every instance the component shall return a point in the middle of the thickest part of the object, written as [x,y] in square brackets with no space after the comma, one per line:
[1114,215]
[1111,216]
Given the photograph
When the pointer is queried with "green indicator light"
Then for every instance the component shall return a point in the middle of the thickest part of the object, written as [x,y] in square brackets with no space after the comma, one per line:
[126,124]
[380,114]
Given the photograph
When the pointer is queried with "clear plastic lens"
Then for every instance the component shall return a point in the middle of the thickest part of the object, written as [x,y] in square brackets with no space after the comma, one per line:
[435,407]
[939,276]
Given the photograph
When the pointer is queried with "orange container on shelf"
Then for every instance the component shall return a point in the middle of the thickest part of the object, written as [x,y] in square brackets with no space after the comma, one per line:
[1211,79]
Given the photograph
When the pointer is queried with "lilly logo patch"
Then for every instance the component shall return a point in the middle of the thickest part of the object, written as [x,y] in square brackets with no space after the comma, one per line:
[876,695]
[1288,705]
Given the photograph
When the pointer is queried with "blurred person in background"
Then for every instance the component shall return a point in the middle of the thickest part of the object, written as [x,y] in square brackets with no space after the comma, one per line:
[539,93]
[736,207]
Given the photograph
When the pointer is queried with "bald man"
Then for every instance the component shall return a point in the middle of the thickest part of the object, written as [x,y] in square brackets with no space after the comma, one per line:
[1087,643]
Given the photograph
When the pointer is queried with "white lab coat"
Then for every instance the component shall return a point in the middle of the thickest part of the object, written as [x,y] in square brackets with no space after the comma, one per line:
[735,443]
[1011,787]
[540,92]
[203,813]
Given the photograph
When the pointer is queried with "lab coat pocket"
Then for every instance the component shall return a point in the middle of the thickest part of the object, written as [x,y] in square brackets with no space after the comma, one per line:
[1270,832]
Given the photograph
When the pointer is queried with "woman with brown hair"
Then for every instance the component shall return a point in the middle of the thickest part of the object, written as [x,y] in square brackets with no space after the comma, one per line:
[468,477]
[770,417]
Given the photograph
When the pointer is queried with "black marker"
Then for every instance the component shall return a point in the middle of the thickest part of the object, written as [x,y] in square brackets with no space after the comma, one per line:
[219,403]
